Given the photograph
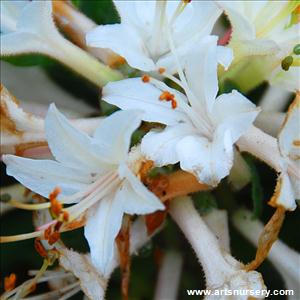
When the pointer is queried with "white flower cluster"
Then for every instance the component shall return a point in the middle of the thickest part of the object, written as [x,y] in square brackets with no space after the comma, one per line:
[181,66]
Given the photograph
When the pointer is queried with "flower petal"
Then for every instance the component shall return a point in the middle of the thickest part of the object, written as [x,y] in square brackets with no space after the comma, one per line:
[135,94]
[202,74]
[284,194]
[160,146]
[289,136]
[103,224]
[42,176]
[114,134]
[70,146]
[242,27]
[10,11]
[123,40]
[234,112]
[209,161]
[136,198]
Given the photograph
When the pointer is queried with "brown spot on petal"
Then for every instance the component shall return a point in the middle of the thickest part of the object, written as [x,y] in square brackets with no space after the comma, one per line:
[295,104]
[267,238]
[123,245]
[296,143]
[155,220]
[7,124]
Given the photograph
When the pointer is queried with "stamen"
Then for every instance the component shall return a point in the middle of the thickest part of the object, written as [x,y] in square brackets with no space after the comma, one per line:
[10,282]
[145,78]
[179,9]
[107,183]
[28,206]
[167,96]
[161,70]
[40,249]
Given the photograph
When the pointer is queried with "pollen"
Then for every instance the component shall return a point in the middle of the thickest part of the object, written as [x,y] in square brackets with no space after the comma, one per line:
[10,282]
[174,103]
[161,70]
[66,216]
[54,193]
[55,236]
[40,248]
[145,78]
[167,96]
[56,207]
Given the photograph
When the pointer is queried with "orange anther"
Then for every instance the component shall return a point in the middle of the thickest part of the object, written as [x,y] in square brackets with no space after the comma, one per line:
[174,103]
[161,70]
[166,95]
[40,248]
[55,236]
[66,216]
[145,78]
[54,193]
[48,232]
[10,282]
[56,207]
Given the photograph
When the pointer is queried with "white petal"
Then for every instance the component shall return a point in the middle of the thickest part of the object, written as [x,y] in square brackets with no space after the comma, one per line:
[114,134]
[35,27]
[103,224]
[70,146]
[135,94]
[242,27]
[202,74]
[42,176]
[136,198]
[224,56]
[160,146]
[255,47]
[287,80]
[123,40]
[289,136]
[234,112]
[10,11]
[139,14]
[209,161]
[199,17]
[22,42]
[284,194]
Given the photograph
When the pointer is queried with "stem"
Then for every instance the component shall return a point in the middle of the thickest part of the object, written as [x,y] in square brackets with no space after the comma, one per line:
[270,122]
[261,145]
[82,62]
[217,221]
[168,277]
[203,241]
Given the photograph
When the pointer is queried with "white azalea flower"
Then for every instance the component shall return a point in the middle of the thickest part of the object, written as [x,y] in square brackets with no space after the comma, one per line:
[141,38]
[201,129]
[22,133]
[94,171]
[28,27]
[288,184]
[262,27]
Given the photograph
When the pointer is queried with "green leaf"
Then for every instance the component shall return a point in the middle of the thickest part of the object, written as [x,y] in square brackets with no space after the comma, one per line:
[256,188]
[204,202]
[102,12]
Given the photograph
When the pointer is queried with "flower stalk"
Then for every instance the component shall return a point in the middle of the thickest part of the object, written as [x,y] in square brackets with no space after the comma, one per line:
[221,270]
